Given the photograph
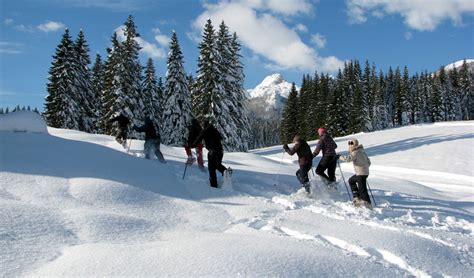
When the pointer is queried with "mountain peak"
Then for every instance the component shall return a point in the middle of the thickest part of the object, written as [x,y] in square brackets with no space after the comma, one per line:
[272,92]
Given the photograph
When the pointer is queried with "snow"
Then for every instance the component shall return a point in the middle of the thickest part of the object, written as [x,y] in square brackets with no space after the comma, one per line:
[458,64]
[78,204]
[22,121]
[272,92]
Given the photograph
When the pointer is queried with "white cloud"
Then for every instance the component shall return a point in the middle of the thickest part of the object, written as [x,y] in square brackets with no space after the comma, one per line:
[114,5]
[287,7]
[150,49]
[10,47]
[8,21]
[319,40]
[51,26]
[162,40]
[302,28]
[25,28]
[266,35]
[421,15]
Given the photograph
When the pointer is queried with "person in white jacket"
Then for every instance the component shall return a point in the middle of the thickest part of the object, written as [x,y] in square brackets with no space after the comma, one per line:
[358,182]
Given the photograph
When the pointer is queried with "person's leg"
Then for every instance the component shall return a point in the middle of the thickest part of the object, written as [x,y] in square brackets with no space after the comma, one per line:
[158,153]
[147,149]
[353,183]
[221,168]
[211,166]
[199,155]
[322,166]
[362,182]
[188,150]
[332,168]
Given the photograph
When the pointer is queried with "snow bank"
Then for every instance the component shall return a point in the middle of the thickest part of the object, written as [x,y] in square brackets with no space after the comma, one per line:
[23,121]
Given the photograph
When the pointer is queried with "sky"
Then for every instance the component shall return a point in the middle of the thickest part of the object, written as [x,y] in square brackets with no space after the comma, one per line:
[291,37]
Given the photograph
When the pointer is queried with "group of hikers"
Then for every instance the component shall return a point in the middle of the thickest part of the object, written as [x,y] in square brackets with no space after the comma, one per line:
[212,140]
[329,159]
[197,133]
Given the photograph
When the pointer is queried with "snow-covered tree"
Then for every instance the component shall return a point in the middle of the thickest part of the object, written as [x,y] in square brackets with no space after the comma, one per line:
[151,93]
[61,107]
[177,110]
[97,80]
[289,119]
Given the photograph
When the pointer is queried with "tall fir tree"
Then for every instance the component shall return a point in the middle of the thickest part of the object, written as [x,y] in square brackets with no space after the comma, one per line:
[177,110]
[151,93]
[466,92]
[83,84]
[61,106]
[403,99]
[97,80]
[123,79]
[289,119]
[338,122]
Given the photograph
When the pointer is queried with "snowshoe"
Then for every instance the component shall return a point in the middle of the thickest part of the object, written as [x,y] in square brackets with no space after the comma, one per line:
[332,185]
[307,187]
[228,173]
[190,160]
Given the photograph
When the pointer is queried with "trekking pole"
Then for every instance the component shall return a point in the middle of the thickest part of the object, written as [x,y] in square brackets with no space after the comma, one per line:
[185,167]
[129,144]
[338,164]
[279,168]
[370,190]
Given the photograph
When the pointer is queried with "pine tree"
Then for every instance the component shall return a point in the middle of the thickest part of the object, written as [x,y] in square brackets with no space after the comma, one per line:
[437,107]
[466,92]
[82,83]
[357,115]
[97,80]
[303,106]
[316,106]
[402,99]
[61,108]
[151,93]
[177,114]
[123,79]
[338,122]
[290,117]
[1,111]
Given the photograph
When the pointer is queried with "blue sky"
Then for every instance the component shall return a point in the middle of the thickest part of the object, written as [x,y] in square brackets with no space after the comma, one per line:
[291,37]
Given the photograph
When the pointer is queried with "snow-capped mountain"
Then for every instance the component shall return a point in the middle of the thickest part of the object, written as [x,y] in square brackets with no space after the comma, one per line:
[271,94]
[458,65]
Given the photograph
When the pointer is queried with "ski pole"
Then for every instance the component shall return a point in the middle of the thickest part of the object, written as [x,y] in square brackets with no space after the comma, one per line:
[185,167]
[129,144]
[338,164]
[279,168]
[370,190]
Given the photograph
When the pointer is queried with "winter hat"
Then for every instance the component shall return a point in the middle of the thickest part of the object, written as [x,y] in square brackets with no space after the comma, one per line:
[353,143]
[297,138]
[321,131]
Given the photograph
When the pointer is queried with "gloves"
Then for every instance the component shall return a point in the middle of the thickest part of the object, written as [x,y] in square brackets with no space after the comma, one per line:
[285,147]
[338,156]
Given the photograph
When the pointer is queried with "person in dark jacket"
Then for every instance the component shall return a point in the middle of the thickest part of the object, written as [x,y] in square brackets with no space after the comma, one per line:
[212,139]
[305,160]
[327,146]
[194,131]
[152,140]
[123,123]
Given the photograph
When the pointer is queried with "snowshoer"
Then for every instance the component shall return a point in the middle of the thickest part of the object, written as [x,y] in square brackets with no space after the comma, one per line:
[328,147]
[123,123]
[194,131]
[305,160]
[358,182]
[212,139]
[152,139]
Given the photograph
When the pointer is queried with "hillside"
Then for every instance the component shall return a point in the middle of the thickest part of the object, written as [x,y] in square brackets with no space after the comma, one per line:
[77,204]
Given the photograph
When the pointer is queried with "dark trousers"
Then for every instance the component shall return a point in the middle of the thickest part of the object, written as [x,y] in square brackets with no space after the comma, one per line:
[359,187]
[121,135]
[214,162]
[302,173]
[327,162]
[153,146]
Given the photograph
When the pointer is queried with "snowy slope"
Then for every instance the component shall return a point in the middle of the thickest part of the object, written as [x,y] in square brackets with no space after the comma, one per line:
[76,204]
[271,93]
[458,65]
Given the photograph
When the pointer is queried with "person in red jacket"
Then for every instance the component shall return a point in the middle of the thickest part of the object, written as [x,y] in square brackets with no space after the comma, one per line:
[194,131]
[305,160]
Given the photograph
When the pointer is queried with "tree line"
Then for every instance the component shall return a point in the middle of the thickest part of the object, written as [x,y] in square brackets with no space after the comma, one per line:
[18,108]
[86,99]
[359,100]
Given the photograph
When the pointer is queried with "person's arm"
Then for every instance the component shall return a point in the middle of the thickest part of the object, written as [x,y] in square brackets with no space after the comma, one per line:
[319,146]
[199,138]
[348,158]
[293,150]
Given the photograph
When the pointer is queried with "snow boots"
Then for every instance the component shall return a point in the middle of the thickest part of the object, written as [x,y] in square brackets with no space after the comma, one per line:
[358,202]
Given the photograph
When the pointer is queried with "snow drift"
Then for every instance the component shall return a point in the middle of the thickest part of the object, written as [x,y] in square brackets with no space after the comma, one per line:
[77,204]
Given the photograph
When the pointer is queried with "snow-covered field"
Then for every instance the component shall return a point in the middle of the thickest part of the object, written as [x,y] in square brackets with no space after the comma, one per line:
[76,204]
